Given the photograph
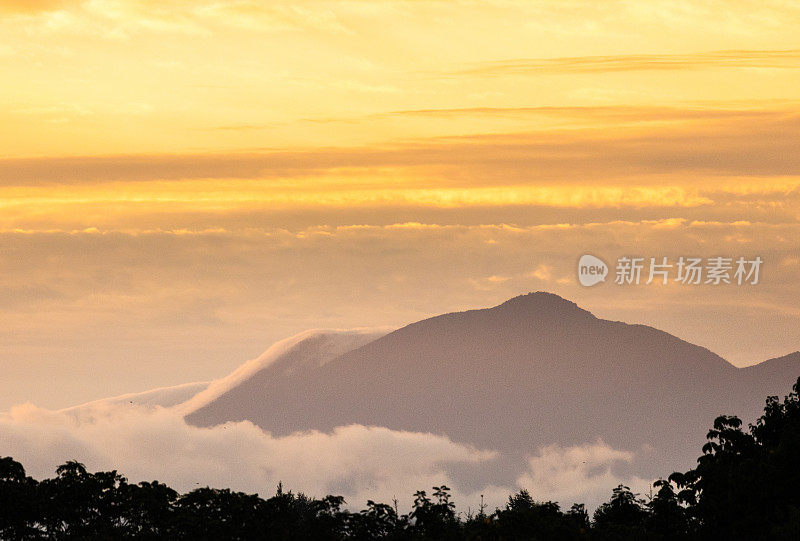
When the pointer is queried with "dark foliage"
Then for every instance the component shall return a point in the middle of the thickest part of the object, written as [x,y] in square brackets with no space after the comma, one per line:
[745,486]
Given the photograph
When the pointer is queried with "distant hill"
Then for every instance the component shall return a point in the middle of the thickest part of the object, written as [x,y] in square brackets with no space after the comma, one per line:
[532,371]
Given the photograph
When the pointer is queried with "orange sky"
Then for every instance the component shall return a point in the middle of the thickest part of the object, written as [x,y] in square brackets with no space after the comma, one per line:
[184,182]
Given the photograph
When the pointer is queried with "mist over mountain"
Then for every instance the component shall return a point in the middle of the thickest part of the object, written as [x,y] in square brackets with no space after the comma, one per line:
[165,397]
[534,371]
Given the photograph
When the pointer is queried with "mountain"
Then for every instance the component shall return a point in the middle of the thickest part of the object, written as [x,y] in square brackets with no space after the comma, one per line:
[530,372]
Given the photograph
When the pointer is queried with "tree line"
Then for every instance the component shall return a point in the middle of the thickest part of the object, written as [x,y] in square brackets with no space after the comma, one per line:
[746,485]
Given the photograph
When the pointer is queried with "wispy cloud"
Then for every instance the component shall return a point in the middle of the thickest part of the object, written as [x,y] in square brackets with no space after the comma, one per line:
[744,143]
[605,113]
[31,6]
[789,58]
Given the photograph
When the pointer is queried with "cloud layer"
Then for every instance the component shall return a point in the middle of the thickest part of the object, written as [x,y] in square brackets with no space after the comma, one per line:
[128,311]
[146,443]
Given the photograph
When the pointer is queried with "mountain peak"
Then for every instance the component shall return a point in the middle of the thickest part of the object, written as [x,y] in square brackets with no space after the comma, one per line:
[541,304]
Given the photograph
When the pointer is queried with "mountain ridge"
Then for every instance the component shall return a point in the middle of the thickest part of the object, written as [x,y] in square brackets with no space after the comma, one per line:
[532,371]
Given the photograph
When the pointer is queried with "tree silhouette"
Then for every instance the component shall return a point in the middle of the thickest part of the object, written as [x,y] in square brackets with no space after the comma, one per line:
[378,521]
[524,518]
[434,519]
[668,518]
[18,501]
[623,517]
[745,483]
[148,510]
[78,504]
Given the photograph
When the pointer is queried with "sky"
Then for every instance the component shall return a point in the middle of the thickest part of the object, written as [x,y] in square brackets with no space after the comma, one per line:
[183,183]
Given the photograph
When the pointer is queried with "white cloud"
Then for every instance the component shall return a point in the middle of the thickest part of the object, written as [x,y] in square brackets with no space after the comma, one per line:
[156,443]
[542,272]
[358,462]
[330,344]
[580,473]
[161,396]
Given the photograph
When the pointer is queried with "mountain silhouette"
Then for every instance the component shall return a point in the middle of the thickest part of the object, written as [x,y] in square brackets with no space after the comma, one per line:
[530,372]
